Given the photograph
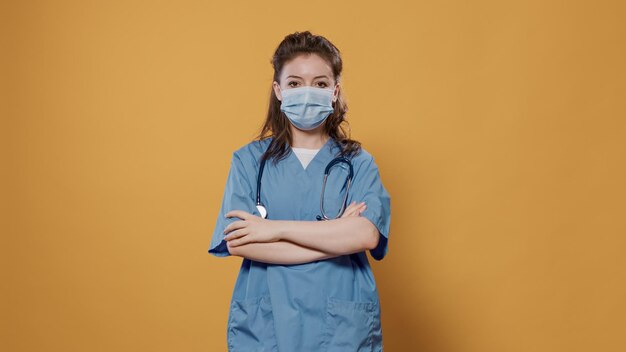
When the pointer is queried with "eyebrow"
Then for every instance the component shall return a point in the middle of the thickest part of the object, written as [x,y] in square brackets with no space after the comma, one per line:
[323,76]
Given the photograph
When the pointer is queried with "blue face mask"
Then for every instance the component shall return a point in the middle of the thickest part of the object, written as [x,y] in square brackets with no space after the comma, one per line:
[307,107]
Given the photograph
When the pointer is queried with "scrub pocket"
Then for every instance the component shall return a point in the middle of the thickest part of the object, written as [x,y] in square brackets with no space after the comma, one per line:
[251,326]
[349,326]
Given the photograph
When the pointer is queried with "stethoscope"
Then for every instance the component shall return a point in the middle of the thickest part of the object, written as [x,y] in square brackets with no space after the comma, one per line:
[336,160]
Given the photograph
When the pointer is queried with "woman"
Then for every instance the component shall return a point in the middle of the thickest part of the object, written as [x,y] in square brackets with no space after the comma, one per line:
[304,284]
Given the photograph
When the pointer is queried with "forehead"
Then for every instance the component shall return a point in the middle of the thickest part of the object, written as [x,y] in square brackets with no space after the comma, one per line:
[307,66]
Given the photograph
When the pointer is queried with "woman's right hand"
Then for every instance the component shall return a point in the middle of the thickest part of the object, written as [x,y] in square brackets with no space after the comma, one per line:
[354,209]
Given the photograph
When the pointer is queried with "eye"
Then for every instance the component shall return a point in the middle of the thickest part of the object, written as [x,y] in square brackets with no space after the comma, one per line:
[294,84]
[322,84]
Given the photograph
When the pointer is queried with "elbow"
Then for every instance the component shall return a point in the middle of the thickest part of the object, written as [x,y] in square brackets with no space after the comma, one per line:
[372,238]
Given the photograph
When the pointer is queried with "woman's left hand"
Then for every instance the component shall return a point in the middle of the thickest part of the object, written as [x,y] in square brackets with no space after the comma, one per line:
[251,229]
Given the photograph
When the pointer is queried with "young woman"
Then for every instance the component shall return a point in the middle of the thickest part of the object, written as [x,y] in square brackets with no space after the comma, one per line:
[305,283]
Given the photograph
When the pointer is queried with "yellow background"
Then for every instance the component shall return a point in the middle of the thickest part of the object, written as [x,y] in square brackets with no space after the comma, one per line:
[498,128]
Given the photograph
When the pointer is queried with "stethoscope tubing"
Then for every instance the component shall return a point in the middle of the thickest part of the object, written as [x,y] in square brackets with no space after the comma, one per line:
[345,197]
[323,216]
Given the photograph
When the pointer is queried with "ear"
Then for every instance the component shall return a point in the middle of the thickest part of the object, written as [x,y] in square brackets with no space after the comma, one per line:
[276,88]
[336,92]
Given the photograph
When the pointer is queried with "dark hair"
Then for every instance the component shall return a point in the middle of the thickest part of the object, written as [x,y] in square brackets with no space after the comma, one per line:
[277,124]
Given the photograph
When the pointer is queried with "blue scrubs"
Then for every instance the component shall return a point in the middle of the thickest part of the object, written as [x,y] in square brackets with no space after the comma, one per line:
[325,305]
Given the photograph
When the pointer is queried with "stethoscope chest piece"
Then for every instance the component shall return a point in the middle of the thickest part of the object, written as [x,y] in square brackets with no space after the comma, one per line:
[262,210]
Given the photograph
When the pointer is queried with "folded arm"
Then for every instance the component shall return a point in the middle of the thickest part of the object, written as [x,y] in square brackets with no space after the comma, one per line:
[341,236]
[279,252]
[338,236]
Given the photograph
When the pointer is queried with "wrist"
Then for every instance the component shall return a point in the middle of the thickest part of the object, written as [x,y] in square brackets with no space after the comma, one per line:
[279,229]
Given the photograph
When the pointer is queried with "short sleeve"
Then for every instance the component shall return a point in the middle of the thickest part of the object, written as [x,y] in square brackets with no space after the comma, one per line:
[238,195]
[368,188]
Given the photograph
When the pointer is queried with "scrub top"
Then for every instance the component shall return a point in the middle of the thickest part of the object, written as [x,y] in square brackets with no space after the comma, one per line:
[324,305]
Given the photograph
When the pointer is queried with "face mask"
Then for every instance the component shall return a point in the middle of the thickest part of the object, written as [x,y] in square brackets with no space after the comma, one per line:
[307,107]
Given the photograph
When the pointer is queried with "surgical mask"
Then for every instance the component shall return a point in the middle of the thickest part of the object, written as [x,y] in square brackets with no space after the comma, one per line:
[307,107]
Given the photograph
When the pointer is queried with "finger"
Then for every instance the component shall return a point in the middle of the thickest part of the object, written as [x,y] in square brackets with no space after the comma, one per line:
[244,215]
[236,213]
[354,208]
[351,205]
[240,241]
[236,234]
[234,243]
[348,211]
[351,212]
[235,225]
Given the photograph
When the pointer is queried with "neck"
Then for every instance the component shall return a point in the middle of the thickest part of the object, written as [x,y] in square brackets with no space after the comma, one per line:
[313,139]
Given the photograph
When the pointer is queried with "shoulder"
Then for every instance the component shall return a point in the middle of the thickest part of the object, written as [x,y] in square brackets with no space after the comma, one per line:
[363,155]
[362,160]
[251,152]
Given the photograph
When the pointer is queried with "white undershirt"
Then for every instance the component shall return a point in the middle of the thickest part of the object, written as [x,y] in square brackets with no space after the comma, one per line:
[305,155]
